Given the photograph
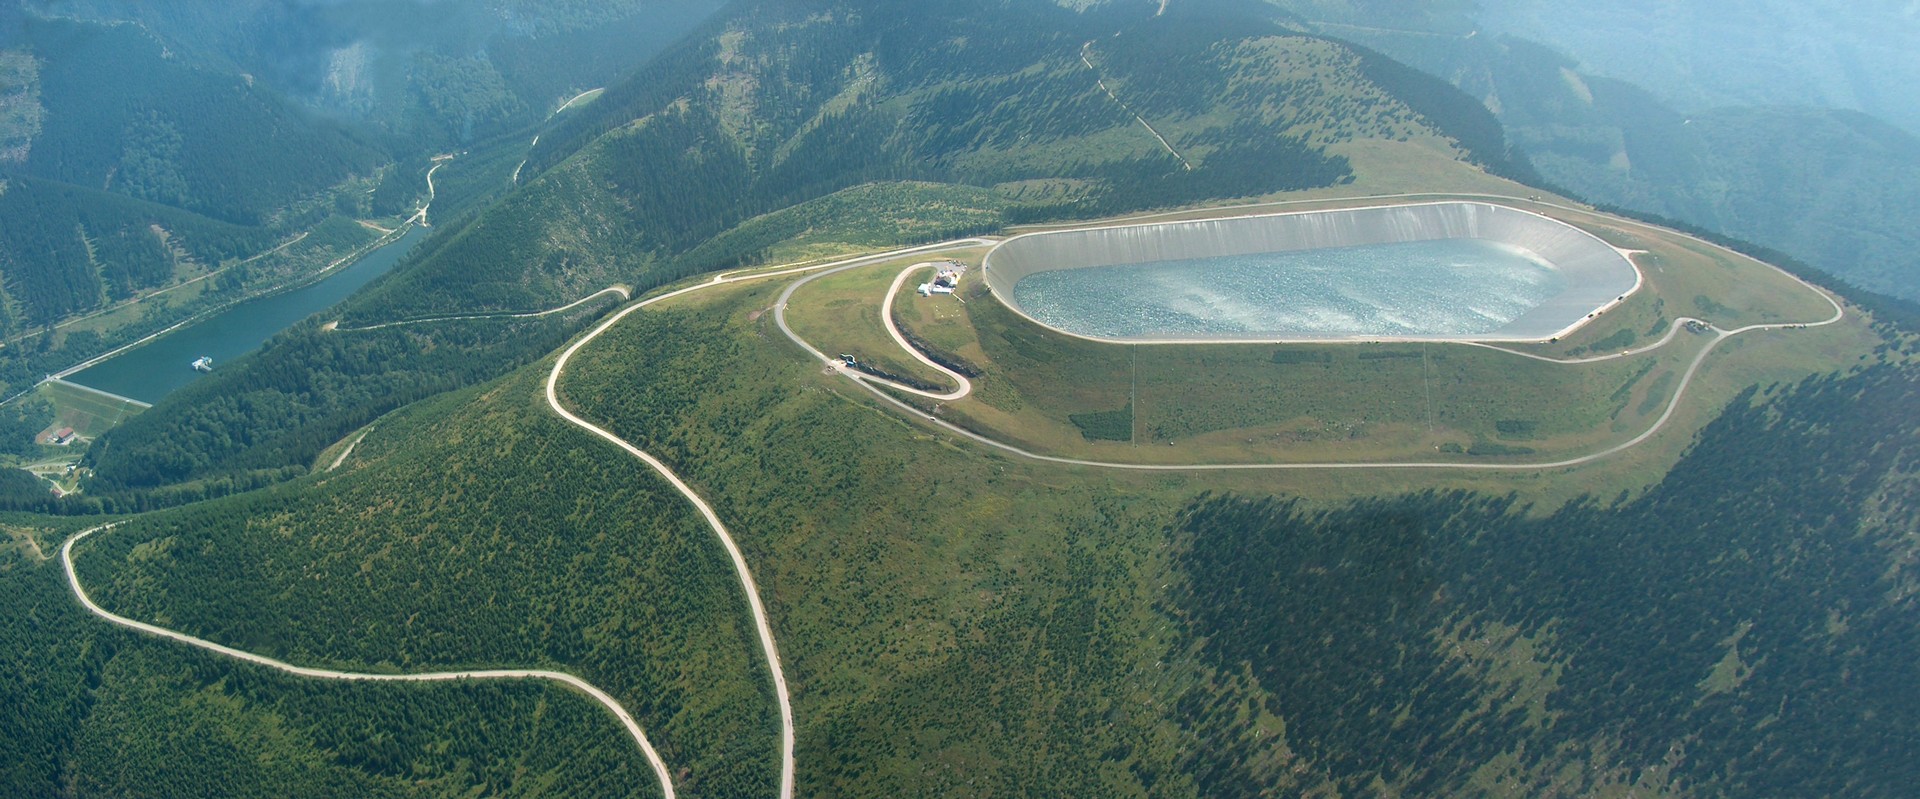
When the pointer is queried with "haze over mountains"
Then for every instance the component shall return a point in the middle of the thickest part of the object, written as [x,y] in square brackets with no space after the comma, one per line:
[1789,124]
[438,74]
[1698,55]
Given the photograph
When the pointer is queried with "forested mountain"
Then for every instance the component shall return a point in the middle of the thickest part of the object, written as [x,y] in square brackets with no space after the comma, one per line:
[123,113]
[144,146]
[784,102]
[1731,614]
[1743,629]
[93,710]
[128,165]
[65,249]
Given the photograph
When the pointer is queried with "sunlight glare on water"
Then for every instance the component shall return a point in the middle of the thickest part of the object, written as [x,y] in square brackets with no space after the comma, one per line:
[1442,287]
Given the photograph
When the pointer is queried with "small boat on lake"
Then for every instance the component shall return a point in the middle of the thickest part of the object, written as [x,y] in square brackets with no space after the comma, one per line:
[203,363]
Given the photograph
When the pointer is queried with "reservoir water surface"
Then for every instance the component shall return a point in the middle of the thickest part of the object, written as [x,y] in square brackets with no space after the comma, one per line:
[1441,287]
[157,368]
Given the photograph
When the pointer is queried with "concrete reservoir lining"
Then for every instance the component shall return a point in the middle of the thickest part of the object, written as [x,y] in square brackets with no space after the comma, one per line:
[1596,275]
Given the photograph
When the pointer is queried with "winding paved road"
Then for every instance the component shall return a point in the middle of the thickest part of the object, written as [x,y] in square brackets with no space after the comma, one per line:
[965,386]
[762,629]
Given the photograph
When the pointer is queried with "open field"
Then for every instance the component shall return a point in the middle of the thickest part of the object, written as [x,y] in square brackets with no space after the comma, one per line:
[853,220]
[841,312]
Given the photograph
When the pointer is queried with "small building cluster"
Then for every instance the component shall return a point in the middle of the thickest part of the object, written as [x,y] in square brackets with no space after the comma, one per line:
[946,280]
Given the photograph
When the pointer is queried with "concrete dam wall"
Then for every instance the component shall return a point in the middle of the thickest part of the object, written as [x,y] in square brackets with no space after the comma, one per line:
[1596,274]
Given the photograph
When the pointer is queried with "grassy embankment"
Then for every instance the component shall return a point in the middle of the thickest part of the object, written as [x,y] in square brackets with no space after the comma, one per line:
[88,413]
[1356,402]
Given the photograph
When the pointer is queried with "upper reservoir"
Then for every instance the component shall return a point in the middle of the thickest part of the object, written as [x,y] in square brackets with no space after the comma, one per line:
[1434,271]
[1443,287]
[155,369]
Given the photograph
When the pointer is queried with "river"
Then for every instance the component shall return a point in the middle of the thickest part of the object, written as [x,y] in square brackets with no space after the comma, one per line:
[157,368]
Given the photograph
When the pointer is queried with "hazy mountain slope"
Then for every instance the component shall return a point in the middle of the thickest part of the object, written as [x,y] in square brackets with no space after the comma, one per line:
[1835,187]
[434,74]
[124,114]
[130,167]
[790,101]
[1831,188]
[244,114]
[1699,54]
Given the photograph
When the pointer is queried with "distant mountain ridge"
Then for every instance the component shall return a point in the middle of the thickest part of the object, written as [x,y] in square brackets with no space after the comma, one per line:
[1829,186]
[428,74]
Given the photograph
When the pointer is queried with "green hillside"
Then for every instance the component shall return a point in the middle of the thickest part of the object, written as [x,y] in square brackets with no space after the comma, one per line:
[647,610]
[65,249]
[956,622]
